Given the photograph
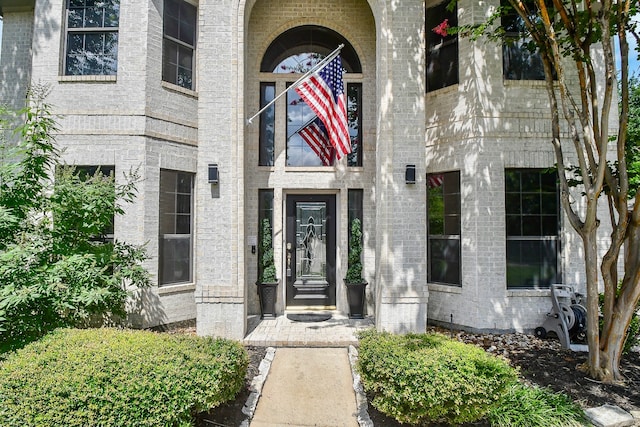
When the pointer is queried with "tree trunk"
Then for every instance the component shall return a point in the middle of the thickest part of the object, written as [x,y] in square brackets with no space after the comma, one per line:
[612,342]
[591,269]
[613,336]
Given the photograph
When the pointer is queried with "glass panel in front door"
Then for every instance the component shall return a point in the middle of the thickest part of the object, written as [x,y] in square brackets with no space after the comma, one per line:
[311,240]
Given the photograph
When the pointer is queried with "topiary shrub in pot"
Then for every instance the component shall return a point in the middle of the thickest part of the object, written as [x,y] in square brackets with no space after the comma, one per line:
[354,282]
[267,281]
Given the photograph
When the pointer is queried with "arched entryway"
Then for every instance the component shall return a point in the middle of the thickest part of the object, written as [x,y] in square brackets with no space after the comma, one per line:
[307,195]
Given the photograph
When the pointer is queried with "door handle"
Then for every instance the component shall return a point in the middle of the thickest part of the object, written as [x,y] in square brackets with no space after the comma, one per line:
[289,259]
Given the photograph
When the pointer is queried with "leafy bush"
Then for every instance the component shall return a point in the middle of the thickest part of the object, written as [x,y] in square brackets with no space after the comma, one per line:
[421,378]
[524,406]
[110,377]
[56,267]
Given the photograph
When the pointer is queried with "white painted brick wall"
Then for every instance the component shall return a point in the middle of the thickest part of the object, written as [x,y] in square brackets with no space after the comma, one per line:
[15,68]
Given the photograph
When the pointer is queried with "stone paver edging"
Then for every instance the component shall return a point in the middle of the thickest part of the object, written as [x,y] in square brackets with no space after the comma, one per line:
[256,386]
[361,399]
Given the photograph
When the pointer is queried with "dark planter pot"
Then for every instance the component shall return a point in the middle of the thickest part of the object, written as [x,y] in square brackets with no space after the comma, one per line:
[268,294]
[356,299]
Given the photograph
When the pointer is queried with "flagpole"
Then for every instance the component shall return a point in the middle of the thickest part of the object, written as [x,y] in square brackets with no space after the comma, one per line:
[318,66]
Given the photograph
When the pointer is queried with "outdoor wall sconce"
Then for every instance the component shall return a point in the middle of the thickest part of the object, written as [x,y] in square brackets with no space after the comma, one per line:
[213,173]
[410,174]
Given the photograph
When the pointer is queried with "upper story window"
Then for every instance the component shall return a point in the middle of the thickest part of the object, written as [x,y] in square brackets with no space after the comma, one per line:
[442,48]
[179,43]
[92,37]
[289,56]
[521,59]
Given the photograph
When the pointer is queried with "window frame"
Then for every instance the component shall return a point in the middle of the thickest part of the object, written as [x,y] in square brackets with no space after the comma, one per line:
[107,171]
[444,46]
[89,30]
[179,43]
[523,211]
[355,210]
[514,42]
[174,235]
[266,139]
[451,212]
[265,211]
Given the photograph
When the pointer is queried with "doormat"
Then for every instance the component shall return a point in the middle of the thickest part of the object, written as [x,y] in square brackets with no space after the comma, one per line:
[308,317]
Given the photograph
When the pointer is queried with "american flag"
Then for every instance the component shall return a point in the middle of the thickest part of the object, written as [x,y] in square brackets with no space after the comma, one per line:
[435,180]
[323,92]
[315,135]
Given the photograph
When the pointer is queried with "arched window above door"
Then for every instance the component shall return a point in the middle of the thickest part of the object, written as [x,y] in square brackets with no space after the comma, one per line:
[300,48]
[296,51]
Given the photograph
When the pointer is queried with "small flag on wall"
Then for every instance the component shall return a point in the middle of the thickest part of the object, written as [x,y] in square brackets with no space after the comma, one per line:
[315,135]
[323,91]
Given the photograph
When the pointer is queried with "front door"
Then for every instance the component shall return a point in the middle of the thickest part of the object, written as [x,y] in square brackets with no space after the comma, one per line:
[311,250]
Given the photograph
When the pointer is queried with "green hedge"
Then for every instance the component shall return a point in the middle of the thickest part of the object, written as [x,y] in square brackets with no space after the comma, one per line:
[109,377]
[422,378]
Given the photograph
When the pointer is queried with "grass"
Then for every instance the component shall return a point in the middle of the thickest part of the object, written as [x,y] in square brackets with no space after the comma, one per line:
[533,406]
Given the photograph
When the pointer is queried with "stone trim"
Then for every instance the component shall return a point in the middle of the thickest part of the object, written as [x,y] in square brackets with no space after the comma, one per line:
[88,79]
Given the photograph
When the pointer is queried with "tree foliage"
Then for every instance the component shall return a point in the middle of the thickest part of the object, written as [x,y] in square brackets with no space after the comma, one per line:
[57,268]
[633,136]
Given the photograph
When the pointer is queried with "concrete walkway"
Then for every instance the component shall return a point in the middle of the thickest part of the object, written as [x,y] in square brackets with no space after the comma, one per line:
[308,387]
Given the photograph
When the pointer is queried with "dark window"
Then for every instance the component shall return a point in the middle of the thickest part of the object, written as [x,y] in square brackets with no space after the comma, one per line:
[87,174]
[92,37]
[354,113]
[265,211]
[442,50]
[443,204]
[179,43]
[300,48]
[355,209]
[176,227]
[521,58]
[267,124]
[532,222]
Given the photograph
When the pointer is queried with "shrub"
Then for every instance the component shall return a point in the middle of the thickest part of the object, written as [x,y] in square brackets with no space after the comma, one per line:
[421,378]
[110,377]
[56,267]
[524,406]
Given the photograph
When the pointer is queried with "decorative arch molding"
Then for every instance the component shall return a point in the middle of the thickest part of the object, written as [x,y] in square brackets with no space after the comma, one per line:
[244,8]
[309,38]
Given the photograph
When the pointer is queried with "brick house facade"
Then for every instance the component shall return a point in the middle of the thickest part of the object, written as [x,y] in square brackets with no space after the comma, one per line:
[452,247]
